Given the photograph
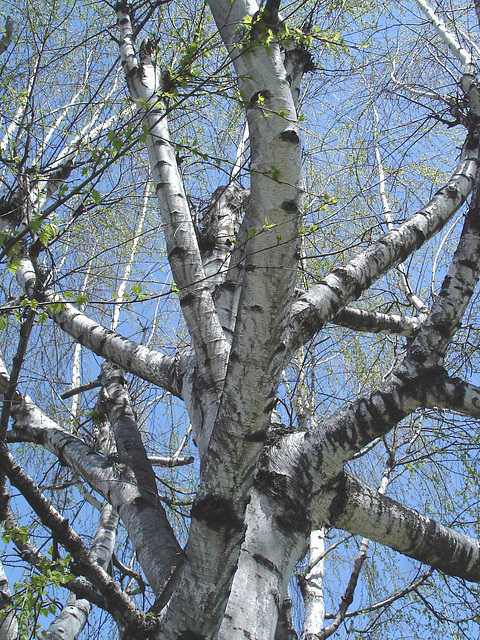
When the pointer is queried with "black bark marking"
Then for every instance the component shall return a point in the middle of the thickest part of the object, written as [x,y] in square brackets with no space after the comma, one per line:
[292,515]
[290,206]
[350,283]
[267,563]
[451,191]
[256,436]
[271,405]
[217,513]
[280,349]
[187,300]
[176,252]
[469,264]
[339,502]
[259,96]
[290,135]
[302,57]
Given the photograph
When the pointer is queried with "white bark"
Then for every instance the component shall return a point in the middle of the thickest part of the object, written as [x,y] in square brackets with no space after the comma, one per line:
[232,579]
[269,553]
[221,256]
[312,588]
[449,307]
[256,358]
[324,300]
[375,322]
[76,360]
[347,597]
[196,301]
[19,116]
[361,510]
[70,622]
[61,167]
[447,36]
[8,619]
[112,596]
[140,511]
[134,358]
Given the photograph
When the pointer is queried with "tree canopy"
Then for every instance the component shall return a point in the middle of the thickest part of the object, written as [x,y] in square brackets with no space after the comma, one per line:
[239,327]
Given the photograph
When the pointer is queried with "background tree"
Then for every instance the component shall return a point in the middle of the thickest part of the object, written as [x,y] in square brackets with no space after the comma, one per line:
[239,320]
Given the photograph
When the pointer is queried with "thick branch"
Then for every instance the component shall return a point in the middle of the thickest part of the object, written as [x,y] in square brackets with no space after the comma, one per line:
[256,359]
[117,483]
[119,605]
[324,300]
[457,289]
[447,36]
[363,511]
[375,322]
[184,257]
[158,554]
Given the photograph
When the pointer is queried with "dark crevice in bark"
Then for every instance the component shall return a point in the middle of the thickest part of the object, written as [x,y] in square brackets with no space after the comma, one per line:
[218,513]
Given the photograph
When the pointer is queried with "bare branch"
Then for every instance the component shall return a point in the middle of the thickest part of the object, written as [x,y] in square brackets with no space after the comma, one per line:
[361,510]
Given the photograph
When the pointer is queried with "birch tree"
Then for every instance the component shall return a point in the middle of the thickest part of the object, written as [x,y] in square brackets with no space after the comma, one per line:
[239,320]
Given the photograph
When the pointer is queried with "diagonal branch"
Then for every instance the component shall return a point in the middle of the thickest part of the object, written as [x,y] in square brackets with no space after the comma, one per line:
[73,617]
[119,604]
[7,36]
[139,510]
[457,289]
[324,300]
[146,363]
[361,510]
[184,257]
[447,36]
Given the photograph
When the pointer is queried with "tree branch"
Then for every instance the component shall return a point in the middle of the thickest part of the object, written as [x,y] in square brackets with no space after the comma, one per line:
[119,604]
[160,554]
[139,510]
[375,322]
[7,36]
[184,257]
[361,510]
[324,300]
[146,363]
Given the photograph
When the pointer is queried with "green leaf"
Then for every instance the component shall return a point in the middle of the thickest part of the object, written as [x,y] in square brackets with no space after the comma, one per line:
[14,264]
[57,307]
[275,172]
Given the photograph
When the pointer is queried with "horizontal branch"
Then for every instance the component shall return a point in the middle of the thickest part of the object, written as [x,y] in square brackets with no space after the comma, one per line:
[361,510]
[375,322]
